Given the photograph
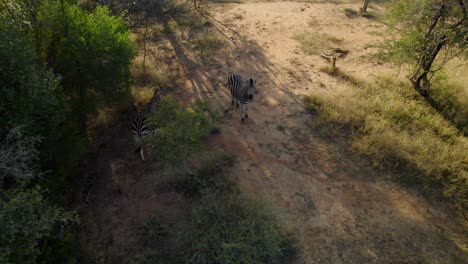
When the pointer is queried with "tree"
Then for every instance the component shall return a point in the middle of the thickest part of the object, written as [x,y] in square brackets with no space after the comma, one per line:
[93,54]
[31,94]
[428,33]
[365,5]
[26,220]
[90,51]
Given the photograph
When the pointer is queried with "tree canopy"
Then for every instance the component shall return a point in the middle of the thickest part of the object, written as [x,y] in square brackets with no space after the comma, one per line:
[425,34]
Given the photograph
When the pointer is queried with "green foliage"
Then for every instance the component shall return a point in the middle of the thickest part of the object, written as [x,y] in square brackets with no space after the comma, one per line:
[28,92]
[420,30]
[396,128]
[92,53]
[180,132]
[26,219]
[233,229]
[18,156]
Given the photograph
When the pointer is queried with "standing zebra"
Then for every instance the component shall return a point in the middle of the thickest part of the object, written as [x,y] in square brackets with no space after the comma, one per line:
[139,128]
[241,92]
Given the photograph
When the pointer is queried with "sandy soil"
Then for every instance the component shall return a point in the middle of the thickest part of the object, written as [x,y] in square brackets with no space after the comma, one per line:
[340,208]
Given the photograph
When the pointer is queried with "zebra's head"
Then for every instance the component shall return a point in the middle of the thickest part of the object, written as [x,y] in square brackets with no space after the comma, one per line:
[251,89]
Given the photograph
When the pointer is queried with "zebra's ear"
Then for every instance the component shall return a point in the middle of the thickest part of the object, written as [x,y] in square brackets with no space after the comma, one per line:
[251,81]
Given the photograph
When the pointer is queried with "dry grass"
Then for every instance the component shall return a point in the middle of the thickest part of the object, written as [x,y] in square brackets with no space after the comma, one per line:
[336,72]
[142,95]
[351,13]
[207,42]
[396,128]
[151,76]
[314,43]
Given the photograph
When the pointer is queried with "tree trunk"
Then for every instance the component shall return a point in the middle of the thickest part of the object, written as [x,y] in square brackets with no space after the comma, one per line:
[420,79]
[144,47]
[365,5]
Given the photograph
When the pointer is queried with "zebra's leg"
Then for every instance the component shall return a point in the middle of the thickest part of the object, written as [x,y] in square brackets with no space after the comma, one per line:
[232,100]
[246,111]
[237,103]
[243,112]
[142,154]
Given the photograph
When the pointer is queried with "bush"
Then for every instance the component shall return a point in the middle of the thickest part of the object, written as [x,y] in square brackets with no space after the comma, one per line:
[180,132]
[19,157]
[26,221]
[233,229]
[396,128]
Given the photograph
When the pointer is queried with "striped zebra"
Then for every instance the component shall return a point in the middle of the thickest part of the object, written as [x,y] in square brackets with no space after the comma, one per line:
[241,92]
[139,128]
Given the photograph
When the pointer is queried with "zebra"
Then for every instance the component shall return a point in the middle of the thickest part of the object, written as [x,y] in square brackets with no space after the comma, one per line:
[139,128]
[241,92]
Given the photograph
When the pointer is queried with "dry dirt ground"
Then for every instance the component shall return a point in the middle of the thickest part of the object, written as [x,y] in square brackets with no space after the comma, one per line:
[339,207]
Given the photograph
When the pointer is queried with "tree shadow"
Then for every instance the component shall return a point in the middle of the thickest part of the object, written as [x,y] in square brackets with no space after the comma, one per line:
[205,77]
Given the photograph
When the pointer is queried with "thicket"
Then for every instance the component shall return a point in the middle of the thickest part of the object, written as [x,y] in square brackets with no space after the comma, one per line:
[58,65]
[396,128]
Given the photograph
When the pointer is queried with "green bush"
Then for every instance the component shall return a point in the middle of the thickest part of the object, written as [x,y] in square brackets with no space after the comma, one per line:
[180,131]
[26,222]
[233,229]
[397,128]
[32,95]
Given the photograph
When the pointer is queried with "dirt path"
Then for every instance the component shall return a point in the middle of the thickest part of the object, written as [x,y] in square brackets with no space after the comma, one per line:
[341,210]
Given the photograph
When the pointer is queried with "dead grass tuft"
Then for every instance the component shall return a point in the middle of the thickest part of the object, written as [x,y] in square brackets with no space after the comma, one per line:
[207,42]
[314,43]
[336,72]
[351,13]
[151,76]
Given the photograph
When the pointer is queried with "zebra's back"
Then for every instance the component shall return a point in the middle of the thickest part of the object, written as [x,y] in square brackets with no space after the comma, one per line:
[236,86]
